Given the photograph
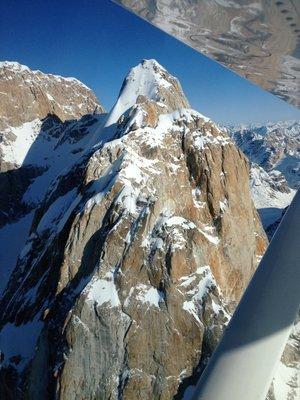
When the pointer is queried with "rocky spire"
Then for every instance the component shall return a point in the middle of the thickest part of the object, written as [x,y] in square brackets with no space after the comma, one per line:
[149,79]
[141,246]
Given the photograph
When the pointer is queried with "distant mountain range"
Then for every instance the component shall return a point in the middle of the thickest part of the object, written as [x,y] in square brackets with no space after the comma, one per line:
[274,154]
[127,238]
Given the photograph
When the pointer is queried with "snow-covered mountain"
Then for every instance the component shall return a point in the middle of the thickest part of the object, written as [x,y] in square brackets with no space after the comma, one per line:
[131,234]
[274,152]
[272,146]
[44,121]
[38,112]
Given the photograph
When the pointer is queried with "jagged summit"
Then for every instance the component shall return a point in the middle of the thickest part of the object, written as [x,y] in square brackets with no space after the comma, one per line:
[16,67]
[145,80]
[150,83]
[290,126]
[154,82]
[34,94]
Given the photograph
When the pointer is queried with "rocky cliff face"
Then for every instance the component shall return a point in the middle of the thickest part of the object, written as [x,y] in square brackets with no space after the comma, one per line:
[26,95]
[44,121]
[136,255]
[26,98]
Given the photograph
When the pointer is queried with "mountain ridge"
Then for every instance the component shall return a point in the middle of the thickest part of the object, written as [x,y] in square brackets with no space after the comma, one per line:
[18,67]
[133,250]
[274,155]
[34,94]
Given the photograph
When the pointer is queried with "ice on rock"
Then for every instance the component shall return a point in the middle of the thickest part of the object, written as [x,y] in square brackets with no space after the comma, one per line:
[25,135]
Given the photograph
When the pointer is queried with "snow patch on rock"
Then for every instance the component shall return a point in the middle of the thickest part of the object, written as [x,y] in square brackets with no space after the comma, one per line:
[103,292]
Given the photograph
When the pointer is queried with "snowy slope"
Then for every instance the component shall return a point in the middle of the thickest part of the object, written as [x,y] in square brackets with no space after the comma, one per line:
[36,146]
[274,152]
[52,148]
[270,193]
[147,80]
[272,146]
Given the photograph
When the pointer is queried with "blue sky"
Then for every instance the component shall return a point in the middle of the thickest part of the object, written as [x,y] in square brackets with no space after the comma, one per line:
[98,42]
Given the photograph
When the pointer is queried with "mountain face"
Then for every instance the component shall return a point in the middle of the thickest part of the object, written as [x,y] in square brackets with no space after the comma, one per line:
[26,95]
[26,98]
[272,146]
[271,195]
[44,121]
[274,152]
[133,235]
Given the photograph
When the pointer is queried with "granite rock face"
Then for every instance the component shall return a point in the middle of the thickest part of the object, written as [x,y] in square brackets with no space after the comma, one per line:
[26,95]
[136,255]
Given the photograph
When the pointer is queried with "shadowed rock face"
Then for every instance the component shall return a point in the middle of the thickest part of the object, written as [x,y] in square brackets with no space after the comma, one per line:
[136,255]
[34,151]
[37,111]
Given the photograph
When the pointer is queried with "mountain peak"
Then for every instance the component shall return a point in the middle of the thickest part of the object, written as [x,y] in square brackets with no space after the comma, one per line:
[16,67]
[151,63]
[152,81]
[144,225]
[155,68]
[34,94]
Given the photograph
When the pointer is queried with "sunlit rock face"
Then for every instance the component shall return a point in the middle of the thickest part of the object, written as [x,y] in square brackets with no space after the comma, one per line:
[136,254]
[26,95]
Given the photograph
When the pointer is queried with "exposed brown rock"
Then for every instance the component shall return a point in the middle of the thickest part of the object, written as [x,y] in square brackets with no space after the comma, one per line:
[46,104]
[136,258]
[26,95]
[163,240]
